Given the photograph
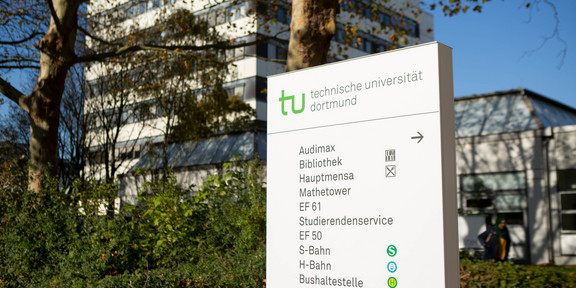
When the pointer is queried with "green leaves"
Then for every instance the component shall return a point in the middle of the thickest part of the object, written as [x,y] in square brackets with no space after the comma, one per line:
[474,273]
[213,236]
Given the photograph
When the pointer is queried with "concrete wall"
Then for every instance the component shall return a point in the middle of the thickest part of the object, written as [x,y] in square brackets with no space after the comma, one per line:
[563,156]
[513,152]
[539,154]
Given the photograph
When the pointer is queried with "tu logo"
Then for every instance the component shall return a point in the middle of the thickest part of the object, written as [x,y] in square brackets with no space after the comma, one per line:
[283,99]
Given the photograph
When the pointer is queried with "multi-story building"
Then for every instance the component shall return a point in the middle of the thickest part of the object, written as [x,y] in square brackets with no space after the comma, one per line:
[362,29]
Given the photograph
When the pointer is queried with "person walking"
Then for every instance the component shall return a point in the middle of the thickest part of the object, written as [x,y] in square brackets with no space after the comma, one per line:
[496,241]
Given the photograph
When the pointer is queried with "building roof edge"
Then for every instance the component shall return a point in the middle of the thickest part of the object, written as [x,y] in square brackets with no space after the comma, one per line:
[518,91]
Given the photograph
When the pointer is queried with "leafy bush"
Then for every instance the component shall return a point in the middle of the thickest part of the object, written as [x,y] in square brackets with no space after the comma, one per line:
[475,273]
[235,231]
[43,239]
[213,236]
[175,236]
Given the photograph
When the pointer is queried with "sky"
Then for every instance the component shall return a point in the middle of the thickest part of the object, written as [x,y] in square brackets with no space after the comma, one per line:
[491,50]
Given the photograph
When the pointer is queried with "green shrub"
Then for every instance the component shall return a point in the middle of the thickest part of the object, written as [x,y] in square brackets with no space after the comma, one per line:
[174,237]
[44,239]
[475,273]
[235,231]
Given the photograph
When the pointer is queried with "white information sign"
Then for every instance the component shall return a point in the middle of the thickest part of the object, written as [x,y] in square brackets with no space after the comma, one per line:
[361,173]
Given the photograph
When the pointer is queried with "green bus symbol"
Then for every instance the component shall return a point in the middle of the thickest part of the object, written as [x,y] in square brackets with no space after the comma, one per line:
[392,282]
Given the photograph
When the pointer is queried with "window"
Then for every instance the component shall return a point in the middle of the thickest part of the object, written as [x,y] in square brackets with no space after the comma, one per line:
[346,5]
[283,15]
[367,13]
[211,18]
[567,180]
[495,181]
[495,193]
[97,157]
[478,203]
[368,46]
[277,11]
[220,16]
[362,41]
[513,218]
[153,4]
[568,208]
[236,53]
[92,121]
[509,202]
[127,116]
[127,153]
[567,193]
[383,17]
[262,50]
[144,111]
[236,90]
[236,12]
[340,35]
[412,27]
[275,50]
[93,89]
[568,201]
[261,84]
[281,52]
[141,8]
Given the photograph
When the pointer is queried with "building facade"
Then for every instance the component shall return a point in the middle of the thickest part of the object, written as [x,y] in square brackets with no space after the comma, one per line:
[516,158]
[243,21]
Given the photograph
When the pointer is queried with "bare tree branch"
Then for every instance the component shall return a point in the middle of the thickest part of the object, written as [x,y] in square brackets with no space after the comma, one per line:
[151,47]
[14,94]
[95,37]
[30,37]
[555,32]
[20,60]
[19,67]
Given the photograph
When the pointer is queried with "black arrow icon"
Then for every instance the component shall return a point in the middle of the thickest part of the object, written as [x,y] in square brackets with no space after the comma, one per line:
[419,137]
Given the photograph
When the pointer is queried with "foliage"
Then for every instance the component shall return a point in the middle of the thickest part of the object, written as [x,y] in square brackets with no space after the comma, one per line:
[41,237]
[175,236]
[475,273]
[235,207]
[213,236]
[217,113]
[13,168]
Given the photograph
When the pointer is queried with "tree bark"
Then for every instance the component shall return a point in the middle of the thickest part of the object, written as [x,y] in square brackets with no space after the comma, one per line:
[57,56]
[312,27]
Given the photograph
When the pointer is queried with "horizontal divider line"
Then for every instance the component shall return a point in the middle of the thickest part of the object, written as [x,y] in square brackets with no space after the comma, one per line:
[354,122]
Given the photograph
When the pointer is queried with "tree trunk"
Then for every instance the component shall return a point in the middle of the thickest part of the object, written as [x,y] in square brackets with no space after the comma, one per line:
[312,27]
[57,56]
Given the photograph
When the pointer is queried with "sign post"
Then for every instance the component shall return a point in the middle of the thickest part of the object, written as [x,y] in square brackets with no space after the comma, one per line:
[361,173]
